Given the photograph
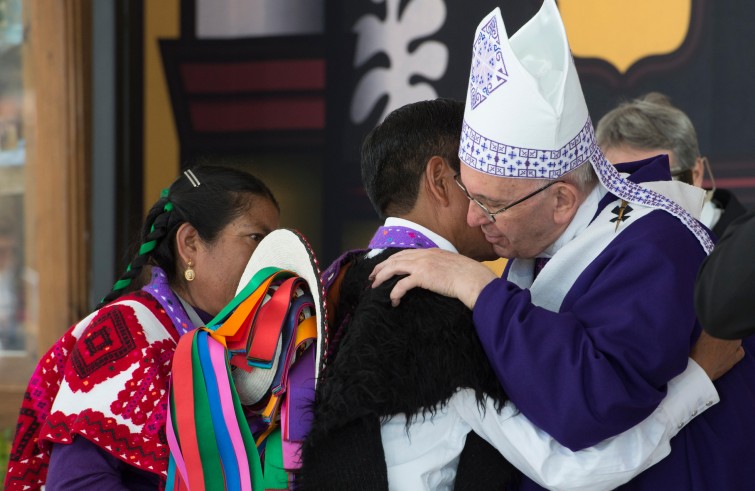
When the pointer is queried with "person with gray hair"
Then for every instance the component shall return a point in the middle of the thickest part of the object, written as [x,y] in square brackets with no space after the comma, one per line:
[650,125]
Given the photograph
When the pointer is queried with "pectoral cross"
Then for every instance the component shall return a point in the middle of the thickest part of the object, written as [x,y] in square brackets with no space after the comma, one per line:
[622,213]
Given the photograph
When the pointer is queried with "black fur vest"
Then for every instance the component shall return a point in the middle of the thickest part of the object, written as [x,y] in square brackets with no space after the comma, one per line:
[388,361]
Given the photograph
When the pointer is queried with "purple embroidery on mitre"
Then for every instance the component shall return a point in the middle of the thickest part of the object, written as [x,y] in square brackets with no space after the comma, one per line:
[488,69]
[502,160]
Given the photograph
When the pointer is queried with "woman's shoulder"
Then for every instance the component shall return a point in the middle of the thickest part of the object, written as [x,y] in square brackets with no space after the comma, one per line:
[136,313]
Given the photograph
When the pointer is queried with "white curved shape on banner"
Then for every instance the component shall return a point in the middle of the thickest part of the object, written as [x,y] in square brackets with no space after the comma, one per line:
[393,36]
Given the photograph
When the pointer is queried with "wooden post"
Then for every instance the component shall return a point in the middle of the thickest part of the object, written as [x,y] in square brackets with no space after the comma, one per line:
[57,87]
[58,166]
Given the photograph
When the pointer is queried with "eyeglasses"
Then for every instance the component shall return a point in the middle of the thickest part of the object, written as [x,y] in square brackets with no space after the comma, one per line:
[491,214]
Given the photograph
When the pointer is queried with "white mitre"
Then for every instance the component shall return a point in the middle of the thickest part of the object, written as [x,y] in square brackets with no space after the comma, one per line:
[525,114]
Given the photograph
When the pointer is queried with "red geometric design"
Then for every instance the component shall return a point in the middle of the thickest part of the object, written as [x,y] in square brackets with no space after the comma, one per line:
[26,429]
[140,400]
[145,453]
[107,343]
[112,341]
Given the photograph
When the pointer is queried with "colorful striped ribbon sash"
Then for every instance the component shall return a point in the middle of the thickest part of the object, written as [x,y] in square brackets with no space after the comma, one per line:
[270,326]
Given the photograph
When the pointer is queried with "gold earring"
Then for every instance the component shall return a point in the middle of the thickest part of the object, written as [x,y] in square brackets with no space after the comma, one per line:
[189,272]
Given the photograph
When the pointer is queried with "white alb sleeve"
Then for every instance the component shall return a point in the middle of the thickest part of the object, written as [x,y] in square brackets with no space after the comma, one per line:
[606,465]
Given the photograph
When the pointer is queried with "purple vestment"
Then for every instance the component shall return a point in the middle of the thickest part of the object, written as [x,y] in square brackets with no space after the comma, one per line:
[625,328]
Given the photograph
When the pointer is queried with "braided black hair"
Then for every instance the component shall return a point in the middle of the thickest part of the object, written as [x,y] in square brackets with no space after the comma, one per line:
[222,195]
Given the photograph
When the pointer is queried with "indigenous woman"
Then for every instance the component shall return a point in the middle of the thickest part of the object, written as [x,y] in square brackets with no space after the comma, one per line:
[94,414]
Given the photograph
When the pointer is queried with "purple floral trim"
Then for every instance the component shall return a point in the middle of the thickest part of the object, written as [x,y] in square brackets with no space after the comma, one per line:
[159,288]
[488,69]
[402,237]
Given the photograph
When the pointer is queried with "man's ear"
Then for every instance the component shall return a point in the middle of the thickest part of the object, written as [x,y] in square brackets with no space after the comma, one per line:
[187,240]
[568,198]
[437,179]
[698,172]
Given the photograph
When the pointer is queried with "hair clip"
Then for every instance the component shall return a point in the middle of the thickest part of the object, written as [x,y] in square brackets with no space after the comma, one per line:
[192,178]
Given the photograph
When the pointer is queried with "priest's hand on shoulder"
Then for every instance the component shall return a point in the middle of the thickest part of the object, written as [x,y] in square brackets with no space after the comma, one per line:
[442,272]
